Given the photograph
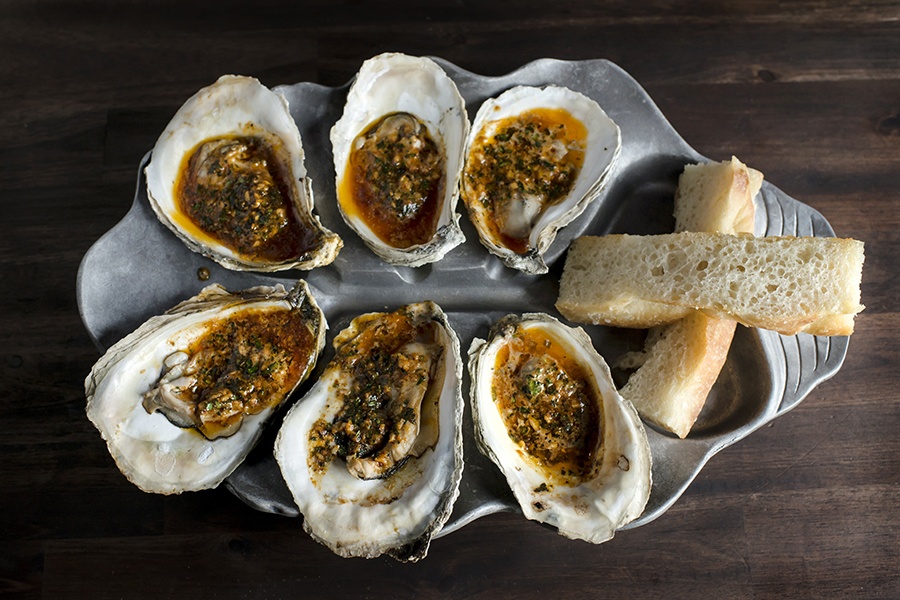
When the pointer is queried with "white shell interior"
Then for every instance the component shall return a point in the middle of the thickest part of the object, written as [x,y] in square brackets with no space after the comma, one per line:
[233,105]
[602,148]
[338,508]
[596,508]
[151,452]
[391,83]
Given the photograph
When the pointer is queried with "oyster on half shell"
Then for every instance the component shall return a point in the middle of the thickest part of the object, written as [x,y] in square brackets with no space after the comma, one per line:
[373,453]
[183,399]
[573,451]
[397,157]
[535,159]
[227,176]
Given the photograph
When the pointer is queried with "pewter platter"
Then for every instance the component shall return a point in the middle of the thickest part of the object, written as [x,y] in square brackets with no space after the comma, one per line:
[139,269]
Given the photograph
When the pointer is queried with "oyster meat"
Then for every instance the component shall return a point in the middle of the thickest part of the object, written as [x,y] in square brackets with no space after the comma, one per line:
[535,159]
[573,451]
[227,176]
[183,399]
[373,453]
[397,157]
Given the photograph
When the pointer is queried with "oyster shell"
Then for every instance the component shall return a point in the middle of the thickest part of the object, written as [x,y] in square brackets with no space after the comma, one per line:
[397,157]
[373,453]
[573,451]
[227,176]
[535,159]
[183,399]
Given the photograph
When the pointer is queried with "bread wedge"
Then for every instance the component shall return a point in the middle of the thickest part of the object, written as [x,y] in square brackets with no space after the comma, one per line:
[678,368]
[786,284]
[681,361]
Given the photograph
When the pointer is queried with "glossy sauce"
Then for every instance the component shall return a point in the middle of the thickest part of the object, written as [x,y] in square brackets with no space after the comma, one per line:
[394,181]
[535,155]
[373,368]
[549,405]
[246,364]
[237,191]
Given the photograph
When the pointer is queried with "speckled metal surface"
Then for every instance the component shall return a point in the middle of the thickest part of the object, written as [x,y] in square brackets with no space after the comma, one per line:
[139,269]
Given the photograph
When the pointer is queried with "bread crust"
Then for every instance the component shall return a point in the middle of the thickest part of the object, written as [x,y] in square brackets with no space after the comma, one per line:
[681,363]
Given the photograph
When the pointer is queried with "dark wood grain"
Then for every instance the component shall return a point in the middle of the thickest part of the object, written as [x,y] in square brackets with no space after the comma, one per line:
[807,92]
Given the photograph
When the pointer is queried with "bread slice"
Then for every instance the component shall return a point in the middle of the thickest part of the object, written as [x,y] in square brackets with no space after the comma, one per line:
[717,197]
[678,368]
[710,197]
[786,284]
[681,361]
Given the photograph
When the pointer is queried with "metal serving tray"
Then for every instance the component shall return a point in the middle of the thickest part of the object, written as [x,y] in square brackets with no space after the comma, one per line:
[139,269]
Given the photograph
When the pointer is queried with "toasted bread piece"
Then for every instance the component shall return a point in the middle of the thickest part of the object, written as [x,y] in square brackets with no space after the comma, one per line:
[682,360]
[786,284]
[679,366]
[716,196]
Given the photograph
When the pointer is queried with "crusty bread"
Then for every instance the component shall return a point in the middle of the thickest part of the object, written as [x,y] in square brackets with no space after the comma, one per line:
[679,366]
[709,197]
[787,284]
[682,360]
[717,197]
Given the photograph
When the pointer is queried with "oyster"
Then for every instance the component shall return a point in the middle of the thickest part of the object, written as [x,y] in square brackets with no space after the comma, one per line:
[227,176]
[573,451]
[373,453]
[535,159]
[183,399]
[397,157]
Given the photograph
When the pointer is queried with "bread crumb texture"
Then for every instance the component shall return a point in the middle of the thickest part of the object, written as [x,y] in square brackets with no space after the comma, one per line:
[680,364]
[683,359]
[786,284]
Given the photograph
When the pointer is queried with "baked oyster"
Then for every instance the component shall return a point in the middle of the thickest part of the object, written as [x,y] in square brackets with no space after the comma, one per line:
[227,176]
[397,157]
[547,413]
[373,453]
[535,159]
[182,400]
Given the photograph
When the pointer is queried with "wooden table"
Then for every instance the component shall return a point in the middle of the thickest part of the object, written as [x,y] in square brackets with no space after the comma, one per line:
[808,93]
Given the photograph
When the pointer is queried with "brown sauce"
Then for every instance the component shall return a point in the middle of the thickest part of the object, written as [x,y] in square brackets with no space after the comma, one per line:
[531,158]
[394,181]
[375,367]
[246,364]
[237,191]
[549,405]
